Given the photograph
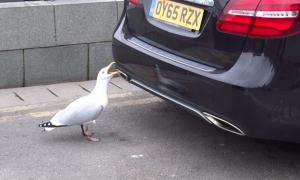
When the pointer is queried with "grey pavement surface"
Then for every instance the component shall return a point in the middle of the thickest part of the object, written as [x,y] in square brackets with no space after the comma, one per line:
[142,137]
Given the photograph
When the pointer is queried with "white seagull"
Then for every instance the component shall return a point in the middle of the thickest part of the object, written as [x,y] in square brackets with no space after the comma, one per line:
[86,109]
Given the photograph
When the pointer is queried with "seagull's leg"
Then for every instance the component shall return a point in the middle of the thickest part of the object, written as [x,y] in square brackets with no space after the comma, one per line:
[87,132]
[82,130]
[88,135]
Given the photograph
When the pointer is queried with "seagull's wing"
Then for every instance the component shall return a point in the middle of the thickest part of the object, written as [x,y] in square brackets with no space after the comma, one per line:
[80,111]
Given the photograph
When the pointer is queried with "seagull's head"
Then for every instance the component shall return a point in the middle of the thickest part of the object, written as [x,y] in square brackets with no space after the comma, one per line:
[108,72]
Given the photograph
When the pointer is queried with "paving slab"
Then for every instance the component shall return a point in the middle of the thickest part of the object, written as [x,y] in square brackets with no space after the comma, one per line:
[88,85]
[117,85]
[67,90]
[8,98]
[126,86]
[112,88]
[35,94]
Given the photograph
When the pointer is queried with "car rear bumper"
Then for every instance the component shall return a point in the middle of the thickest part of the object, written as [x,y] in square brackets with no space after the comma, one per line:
[243,98]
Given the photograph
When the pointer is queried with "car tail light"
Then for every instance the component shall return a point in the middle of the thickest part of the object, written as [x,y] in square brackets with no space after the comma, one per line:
[135,2]
[261,18]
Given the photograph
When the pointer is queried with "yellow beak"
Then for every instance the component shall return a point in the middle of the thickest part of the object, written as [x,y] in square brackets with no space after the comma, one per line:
[114,71]
[110,65]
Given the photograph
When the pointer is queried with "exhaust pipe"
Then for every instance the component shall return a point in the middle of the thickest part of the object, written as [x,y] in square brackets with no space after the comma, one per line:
[181,104]
[124,76]
[223,124]
[220,123]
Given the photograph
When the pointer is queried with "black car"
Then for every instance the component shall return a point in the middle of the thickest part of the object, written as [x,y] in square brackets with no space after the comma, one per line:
[235,63]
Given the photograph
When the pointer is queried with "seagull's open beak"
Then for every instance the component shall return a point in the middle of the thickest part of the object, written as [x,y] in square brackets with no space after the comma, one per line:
[112,70]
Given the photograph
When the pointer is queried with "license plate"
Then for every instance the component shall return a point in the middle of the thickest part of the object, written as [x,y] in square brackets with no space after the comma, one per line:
[176,13]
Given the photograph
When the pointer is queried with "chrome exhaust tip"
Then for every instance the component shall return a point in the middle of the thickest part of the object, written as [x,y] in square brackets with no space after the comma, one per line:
[124,76]
[223,124]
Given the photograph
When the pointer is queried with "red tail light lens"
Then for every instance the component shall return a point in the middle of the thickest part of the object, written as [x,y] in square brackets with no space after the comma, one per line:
[261,18]
[135,2]
[237,17]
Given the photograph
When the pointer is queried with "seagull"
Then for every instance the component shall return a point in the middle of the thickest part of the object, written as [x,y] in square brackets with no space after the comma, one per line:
[86,109]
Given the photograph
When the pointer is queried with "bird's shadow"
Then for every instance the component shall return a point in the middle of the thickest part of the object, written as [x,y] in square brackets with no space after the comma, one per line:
[65,137]
[71,135]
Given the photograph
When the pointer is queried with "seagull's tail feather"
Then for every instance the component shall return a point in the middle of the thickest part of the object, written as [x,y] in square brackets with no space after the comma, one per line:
[49,129]
[48,126]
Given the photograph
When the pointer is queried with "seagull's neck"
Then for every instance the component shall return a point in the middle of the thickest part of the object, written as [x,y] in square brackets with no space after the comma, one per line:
[100,90]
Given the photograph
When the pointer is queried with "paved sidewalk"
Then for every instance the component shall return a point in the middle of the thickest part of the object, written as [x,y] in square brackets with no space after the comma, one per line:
[58,92]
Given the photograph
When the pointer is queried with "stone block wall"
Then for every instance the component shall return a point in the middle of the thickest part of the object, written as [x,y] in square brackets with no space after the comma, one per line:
[43,42]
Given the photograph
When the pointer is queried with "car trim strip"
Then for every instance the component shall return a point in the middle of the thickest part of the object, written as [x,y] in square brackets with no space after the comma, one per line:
[211,119]
[196,111]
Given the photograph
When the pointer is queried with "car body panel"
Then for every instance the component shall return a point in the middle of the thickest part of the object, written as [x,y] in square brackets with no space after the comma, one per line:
[208,46]
[258,92]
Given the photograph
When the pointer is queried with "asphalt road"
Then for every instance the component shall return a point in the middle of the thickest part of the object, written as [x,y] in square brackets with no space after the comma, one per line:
[142,137]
